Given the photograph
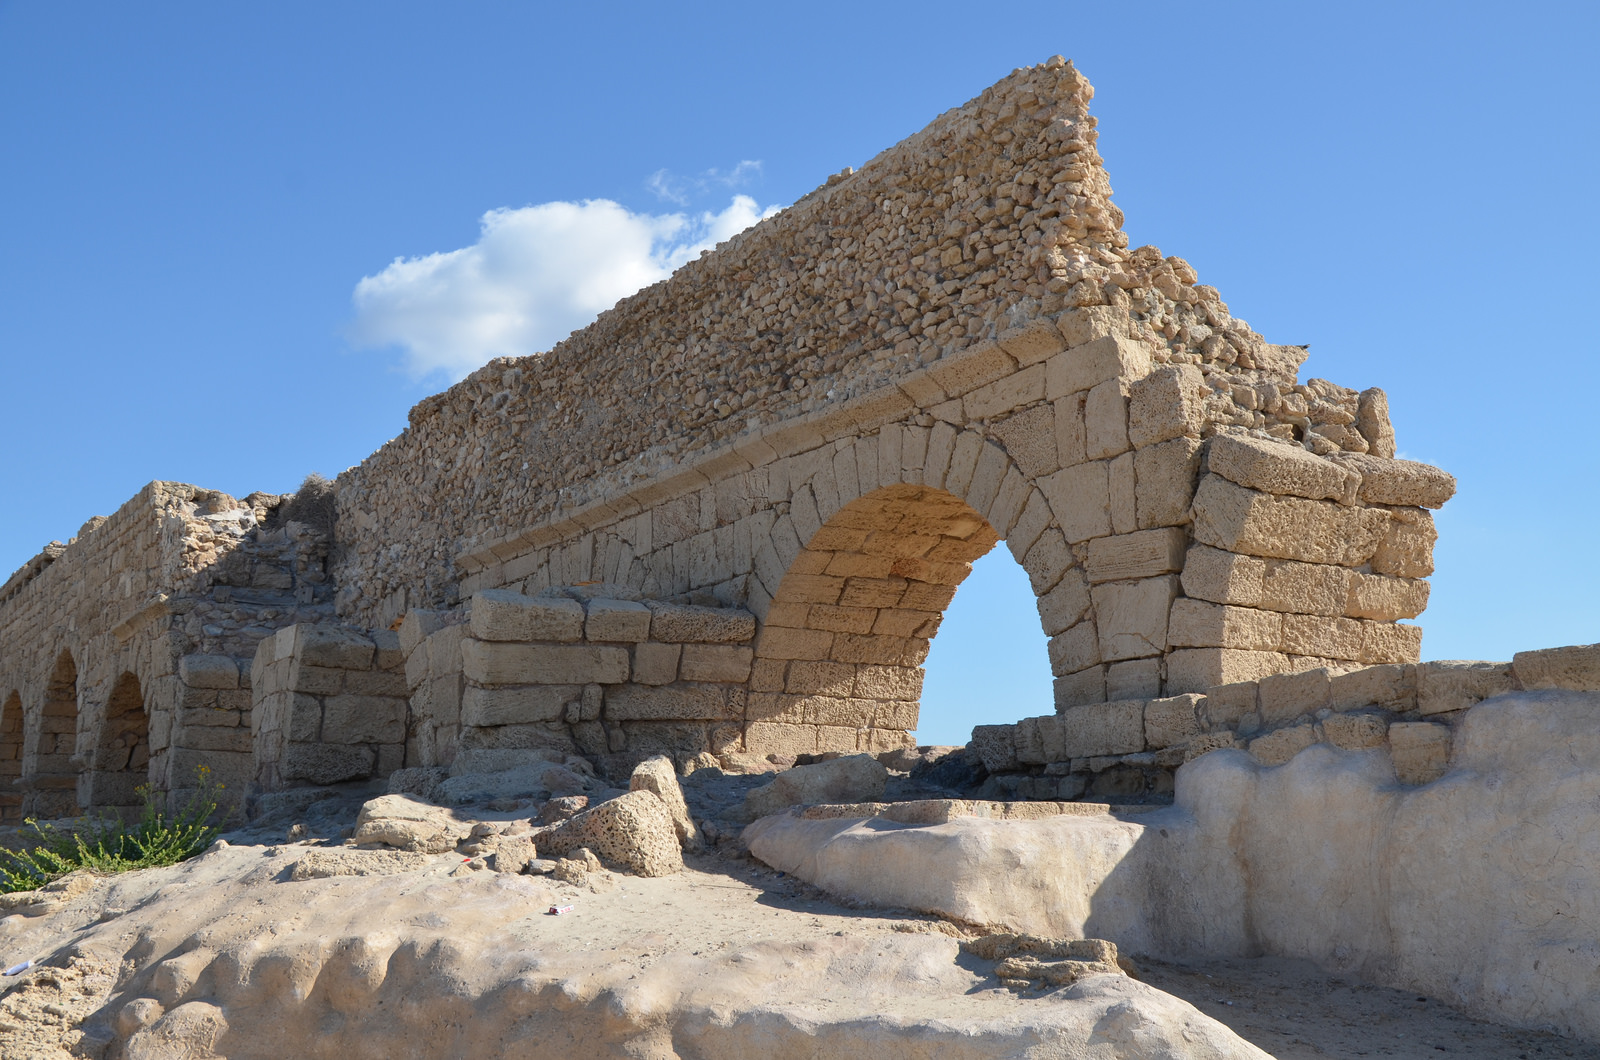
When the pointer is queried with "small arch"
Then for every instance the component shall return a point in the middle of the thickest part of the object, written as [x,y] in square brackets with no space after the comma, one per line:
[11,759]
[122,750]
[50,772]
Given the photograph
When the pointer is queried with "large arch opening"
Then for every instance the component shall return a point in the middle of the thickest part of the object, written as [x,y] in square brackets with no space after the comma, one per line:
[11,759]
[54,780]
[122,750]
[839,660]
[990,663]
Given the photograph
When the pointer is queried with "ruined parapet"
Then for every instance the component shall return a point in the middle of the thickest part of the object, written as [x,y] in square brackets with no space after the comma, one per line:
[329,705]
[1129,748]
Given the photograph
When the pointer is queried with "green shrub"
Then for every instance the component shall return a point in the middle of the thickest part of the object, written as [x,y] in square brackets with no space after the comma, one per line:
[106,845]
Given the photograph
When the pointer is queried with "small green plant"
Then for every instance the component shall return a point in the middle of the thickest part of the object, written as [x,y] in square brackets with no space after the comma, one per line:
[106,845]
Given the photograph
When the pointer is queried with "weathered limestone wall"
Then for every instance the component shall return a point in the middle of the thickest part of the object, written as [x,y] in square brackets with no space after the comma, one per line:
[329,705]
[615,680]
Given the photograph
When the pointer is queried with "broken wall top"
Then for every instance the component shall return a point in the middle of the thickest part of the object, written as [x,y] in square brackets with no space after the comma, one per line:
[997,213]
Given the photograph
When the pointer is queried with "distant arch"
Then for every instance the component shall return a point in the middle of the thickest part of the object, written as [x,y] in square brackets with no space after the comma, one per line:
[122,750]
[11,759]
[50,772]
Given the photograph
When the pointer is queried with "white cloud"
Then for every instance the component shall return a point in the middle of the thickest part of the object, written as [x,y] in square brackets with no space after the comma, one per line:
[673,188]
[535,275]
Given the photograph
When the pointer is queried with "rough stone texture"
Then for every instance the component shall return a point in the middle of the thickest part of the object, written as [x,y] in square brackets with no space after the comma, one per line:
[1477,889]
[633,832]
[408,823]
[852,778]
[657,775]
[1576,667]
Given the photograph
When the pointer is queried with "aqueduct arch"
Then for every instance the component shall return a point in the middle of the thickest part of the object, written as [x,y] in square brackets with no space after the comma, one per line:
[121,762]
[11,759]
[50,771]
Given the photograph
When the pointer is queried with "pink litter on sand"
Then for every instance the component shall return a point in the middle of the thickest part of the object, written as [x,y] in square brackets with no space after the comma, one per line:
[560,910]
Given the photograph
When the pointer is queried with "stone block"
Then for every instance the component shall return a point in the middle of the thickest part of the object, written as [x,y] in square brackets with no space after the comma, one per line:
[655,663]
[716,662]
[1453,685]
[673,703]
[1285,697]
[1230,517]
[1033,342]
[418,625]
[320,763]
[616,620]
[1223,577]
[208,671]
[1200,624]
[768,737]
[501,663]
[683,623]
[1105,421]
[1115,728]
[1276,748]
[1384,642]
[1172,722]
[1282,468]
[902,683]
[1132,616]
[1165,476]
[1029,438]
[211,738]
[484,707]
[1403,483]
[1385,599]
[502,615]
[1073,649]
[1306,588]
[1406,548]
[1063,606]
[1208,742]
[1086,686]
[1197,669]
[1081,500]
[330,646]
[1167,403]
[1355,732]
[1392,687]
[363,719]
[1576,667]
[995,746]
[1010,392]
[1230,707]
[1092,363]
[374,683]
[633,833]
[319,680]
[1144,554]
[1323,637]
[388,656]
[1134,679]
[1420,751]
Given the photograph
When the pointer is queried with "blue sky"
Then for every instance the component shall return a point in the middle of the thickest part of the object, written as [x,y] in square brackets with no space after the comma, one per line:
[191,193]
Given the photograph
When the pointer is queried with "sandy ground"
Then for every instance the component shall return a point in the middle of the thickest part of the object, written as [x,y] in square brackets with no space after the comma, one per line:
[728,933]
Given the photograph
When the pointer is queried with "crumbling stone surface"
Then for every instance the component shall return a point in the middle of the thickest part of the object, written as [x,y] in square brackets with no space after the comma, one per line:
[633,832]
[657,776]
[852,778]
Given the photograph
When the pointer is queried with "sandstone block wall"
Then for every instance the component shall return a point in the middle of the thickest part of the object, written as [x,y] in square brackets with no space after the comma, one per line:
[329,704]
[617,680]
[1130,747]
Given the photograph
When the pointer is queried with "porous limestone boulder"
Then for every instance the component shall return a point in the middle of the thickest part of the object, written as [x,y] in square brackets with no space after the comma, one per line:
[657,775]
[633,832]
[406,822]
[851,778]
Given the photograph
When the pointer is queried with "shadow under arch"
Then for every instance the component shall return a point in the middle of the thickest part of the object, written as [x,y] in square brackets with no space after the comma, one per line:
[838,664]
[50,773]
[121,761]
[11,759]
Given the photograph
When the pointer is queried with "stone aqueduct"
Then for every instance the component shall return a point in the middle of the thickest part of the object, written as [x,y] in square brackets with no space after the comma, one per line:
[728,516]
